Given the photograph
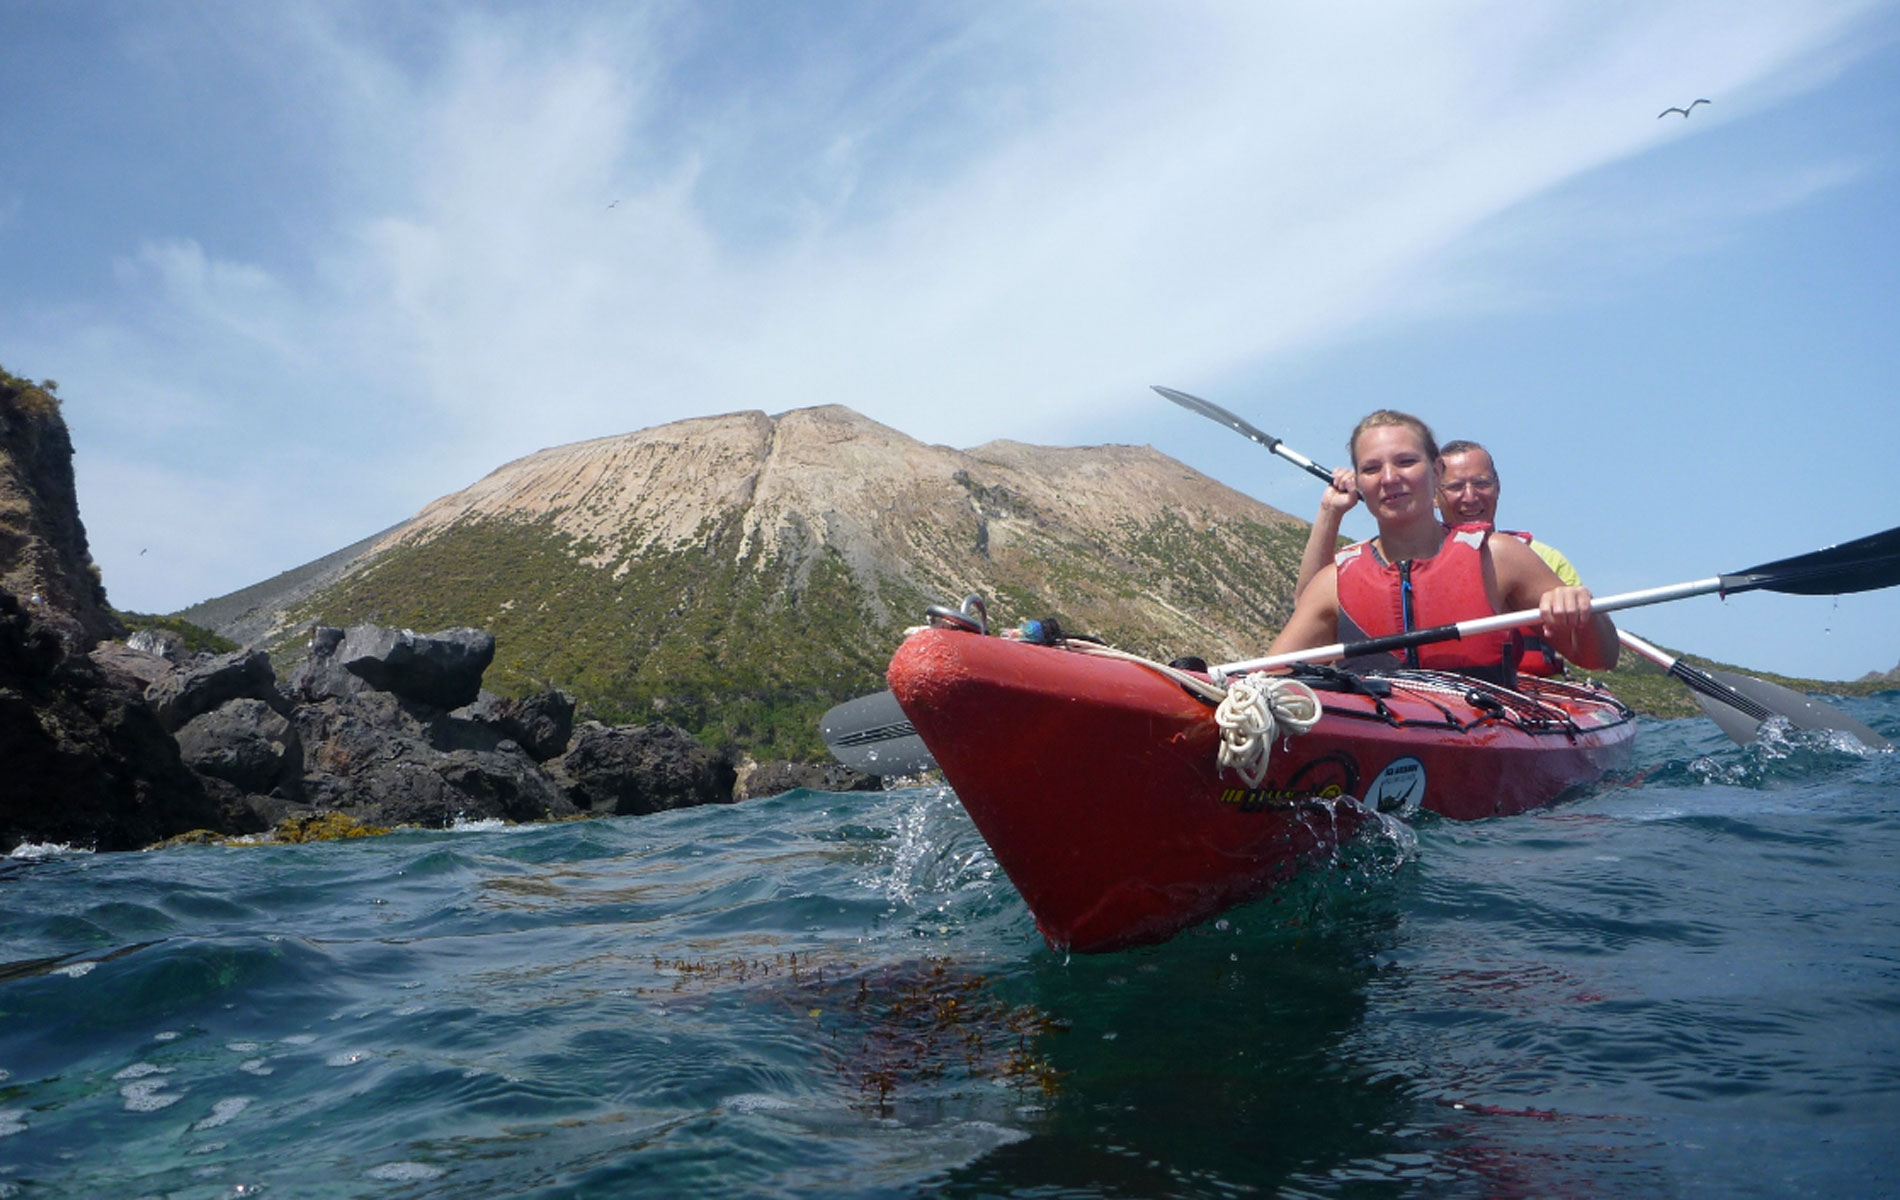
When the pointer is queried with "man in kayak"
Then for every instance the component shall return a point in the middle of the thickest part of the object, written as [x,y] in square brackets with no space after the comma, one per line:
[1417,573]
[1468,490]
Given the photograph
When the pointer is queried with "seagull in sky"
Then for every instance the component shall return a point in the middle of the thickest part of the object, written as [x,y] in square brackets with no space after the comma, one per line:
[1684,111]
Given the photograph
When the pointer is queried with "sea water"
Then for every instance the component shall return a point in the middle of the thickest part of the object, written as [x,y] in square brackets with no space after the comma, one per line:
[1684,981]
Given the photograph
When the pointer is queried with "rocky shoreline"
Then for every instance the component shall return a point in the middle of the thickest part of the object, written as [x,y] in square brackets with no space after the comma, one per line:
[136,742]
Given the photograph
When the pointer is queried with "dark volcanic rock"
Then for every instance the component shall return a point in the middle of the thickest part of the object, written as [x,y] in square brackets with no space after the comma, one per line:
[443,669]
[247,743]
[320,676]
[200,686]
[541,724]
[772,778]
[390,761]
[512,786]
[632,769]
[347,735]
[85,761]
[123,658]
[391,793]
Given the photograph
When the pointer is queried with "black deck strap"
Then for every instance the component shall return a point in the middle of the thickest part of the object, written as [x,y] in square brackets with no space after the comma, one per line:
[1527,710]
[1323,678]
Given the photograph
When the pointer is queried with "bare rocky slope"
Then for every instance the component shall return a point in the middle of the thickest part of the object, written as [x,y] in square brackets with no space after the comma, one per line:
[737,574]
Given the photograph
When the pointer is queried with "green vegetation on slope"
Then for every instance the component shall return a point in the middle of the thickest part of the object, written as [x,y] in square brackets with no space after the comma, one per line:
[196,638]
[30,399]
[732,649]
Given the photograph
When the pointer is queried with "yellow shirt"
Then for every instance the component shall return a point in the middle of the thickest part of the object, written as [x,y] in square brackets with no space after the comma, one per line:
[1558,563]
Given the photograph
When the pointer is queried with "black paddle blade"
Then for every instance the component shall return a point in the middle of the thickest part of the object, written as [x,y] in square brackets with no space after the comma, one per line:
[1740,726]
[1215,412]
[872,734]
[1803,712]
[1862,565]
[1740,703]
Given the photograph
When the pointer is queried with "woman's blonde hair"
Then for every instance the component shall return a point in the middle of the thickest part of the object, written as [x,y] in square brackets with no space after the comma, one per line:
[1389,416]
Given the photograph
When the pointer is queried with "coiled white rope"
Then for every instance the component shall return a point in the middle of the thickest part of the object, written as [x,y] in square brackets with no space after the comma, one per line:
[1251,717]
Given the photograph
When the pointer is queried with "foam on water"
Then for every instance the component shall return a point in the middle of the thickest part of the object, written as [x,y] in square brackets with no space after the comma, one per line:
[222,1112]
[479,825]
[41,851]
[147,1096]
[404,1172]
[753,1102]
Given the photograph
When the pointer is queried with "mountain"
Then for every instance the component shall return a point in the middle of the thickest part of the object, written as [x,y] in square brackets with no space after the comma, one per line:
[739,574]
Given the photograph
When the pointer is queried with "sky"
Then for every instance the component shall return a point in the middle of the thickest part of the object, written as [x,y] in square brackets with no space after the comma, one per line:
[301,268]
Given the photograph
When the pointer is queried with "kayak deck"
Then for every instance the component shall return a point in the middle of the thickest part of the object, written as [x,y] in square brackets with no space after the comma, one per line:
[1094,779]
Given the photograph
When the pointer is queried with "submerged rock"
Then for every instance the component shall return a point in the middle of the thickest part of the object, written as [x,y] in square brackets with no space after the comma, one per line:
[775,777]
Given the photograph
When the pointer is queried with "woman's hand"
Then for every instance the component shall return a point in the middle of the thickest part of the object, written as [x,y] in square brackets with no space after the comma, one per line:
[1340,498]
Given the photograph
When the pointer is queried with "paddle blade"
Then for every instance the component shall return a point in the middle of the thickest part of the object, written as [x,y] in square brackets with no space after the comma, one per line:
[1862,565]
[1803,712]
[1215,412]
[872,734]
[1740,726]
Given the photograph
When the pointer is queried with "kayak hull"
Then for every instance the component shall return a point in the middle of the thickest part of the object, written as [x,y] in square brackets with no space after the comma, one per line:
[1094,780]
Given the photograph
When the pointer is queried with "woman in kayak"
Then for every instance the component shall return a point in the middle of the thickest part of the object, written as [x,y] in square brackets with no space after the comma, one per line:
[1417,574]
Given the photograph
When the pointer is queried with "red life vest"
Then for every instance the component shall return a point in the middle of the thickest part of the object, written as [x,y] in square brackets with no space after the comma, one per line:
[1536,656]
[1448,587]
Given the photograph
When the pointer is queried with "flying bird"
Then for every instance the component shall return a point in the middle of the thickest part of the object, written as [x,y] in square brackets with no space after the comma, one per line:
[1684,111]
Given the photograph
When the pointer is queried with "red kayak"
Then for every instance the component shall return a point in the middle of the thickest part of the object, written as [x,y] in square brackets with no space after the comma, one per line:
[1095,782]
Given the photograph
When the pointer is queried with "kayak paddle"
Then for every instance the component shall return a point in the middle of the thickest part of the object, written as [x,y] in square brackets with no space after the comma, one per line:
[1738,704]
[872,734]
[1215,412]
[1862,565]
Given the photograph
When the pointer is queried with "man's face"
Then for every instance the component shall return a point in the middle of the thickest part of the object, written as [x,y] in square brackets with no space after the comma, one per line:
[1468,488]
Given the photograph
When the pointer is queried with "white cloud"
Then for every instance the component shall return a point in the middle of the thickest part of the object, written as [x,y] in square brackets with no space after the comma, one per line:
[969,224]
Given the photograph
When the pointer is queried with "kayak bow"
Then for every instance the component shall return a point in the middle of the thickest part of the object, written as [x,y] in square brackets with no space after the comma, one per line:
[1095,779]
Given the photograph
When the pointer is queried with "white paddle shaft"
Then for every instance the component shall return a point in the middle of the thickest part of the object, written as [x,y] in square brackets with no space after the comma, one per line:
[1511,620]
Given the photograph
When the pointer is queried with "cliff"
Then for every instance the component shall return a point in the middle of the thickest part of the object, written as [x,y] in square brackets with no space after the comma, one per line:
[44,559]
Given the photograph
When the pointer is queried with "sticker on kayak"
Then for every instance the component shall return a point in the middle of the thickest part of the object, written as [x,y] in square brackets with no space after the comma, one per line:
[1250,800]
[1400,788]
[1327,777]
